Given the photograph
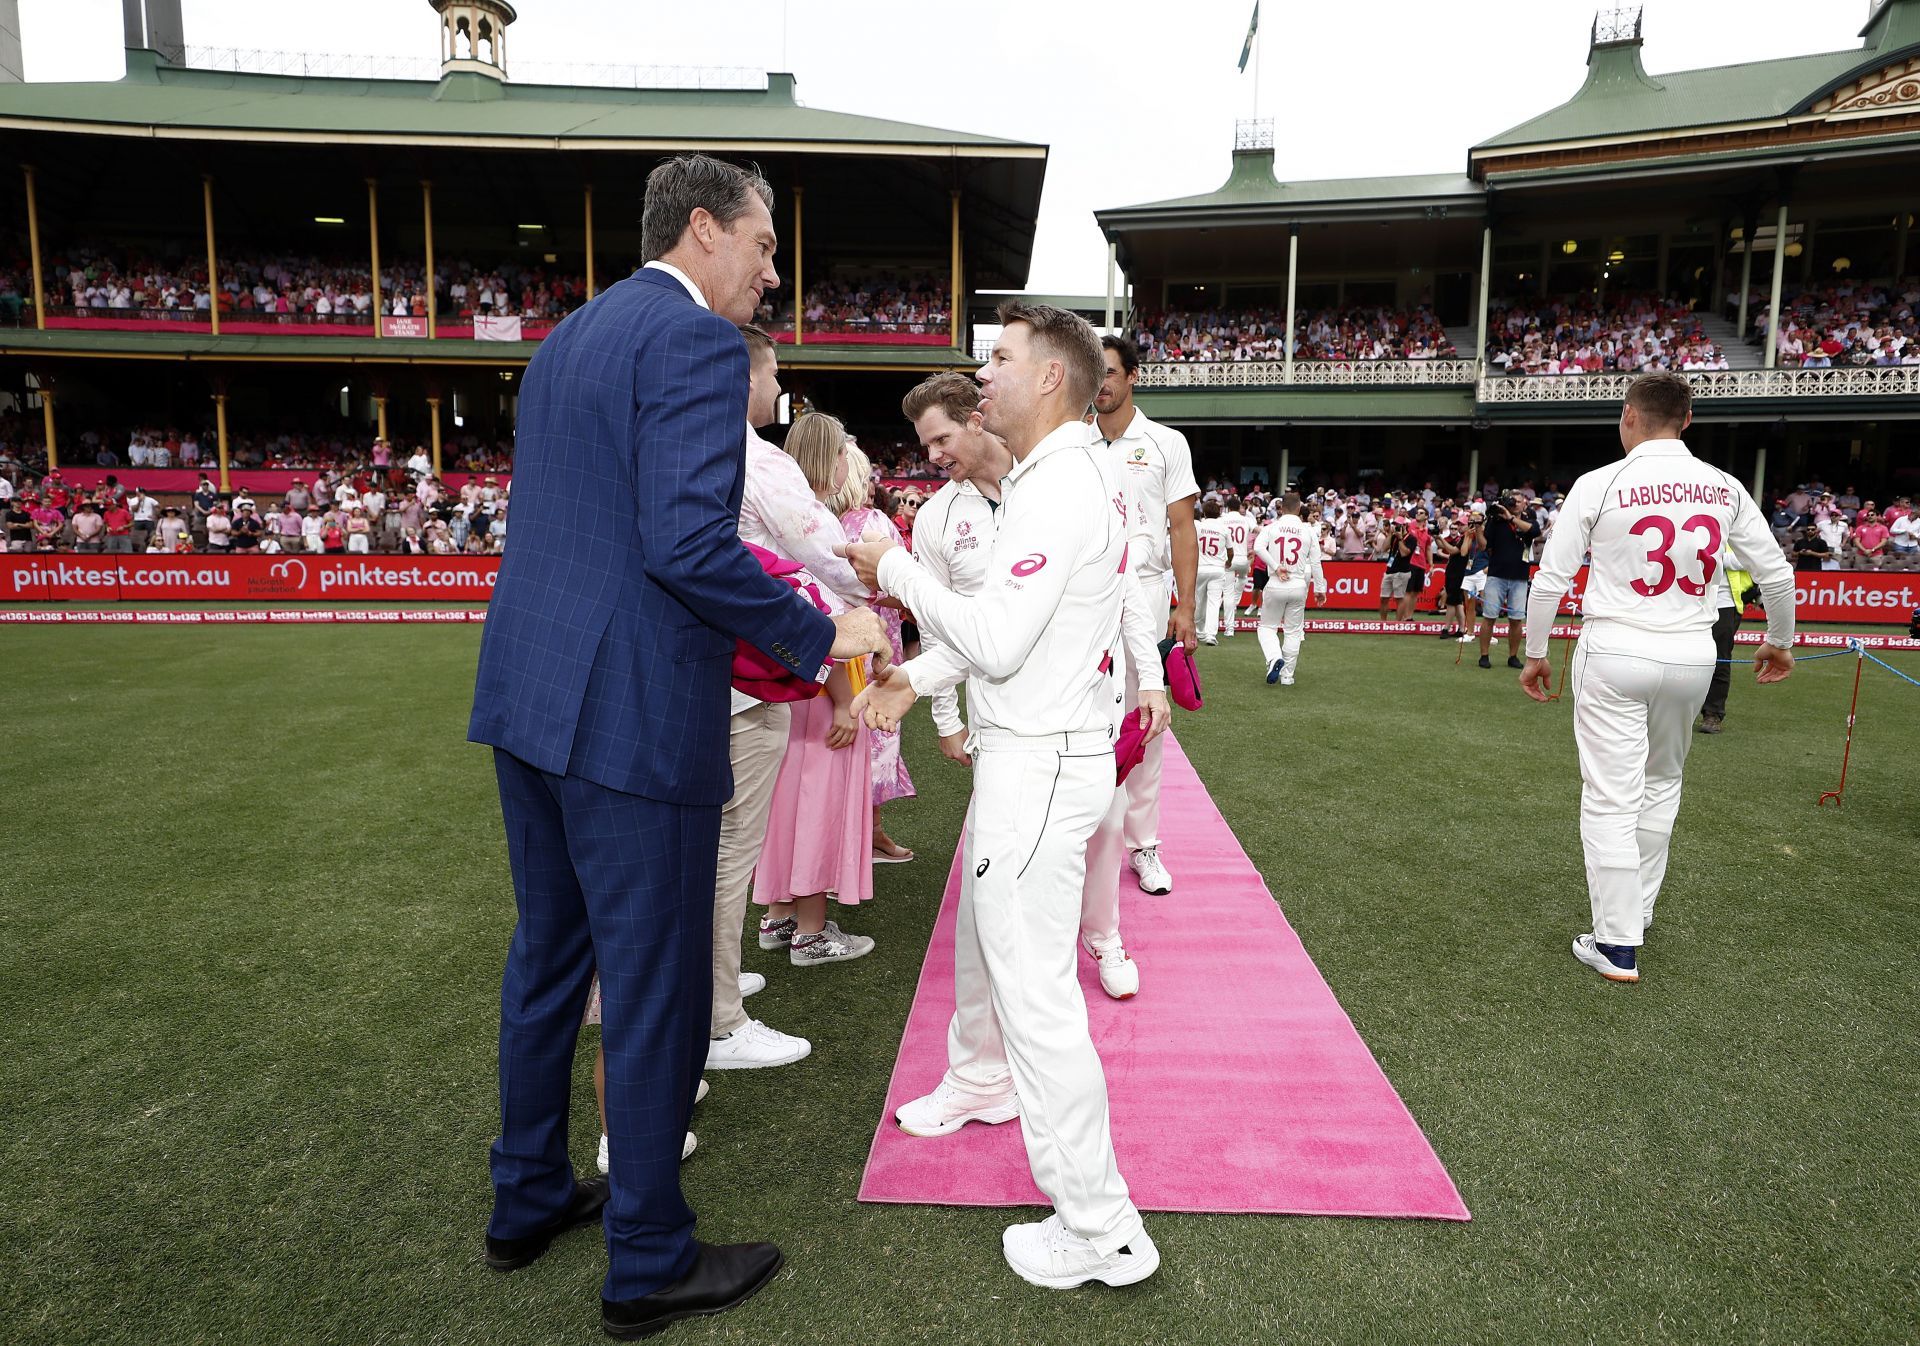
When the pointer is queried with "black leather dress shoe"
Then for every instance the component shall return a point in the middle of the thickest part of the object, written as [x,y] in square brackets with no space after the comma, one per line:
[512,1254]
[724,1276]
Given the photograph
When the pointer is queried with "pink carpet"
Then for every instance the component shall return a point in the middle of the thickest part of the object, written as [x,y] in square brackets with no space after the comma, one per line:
[1238,1084]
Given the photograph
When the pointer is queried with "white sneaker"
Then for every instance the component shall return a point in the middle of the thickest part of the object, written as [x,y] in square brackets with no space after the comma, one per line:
[605,1165]
[751,983]
[946,1110]
[1468,638]
[1053,1257]
[755,1046]
[1152,874]
[700,1094]
[1285,681]
[1119,974]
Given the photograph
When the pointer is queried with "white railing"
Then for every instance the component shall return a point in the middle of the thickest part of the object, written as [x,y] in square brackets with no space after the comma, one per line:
[1719,384]
[1308,373]
[1520,389]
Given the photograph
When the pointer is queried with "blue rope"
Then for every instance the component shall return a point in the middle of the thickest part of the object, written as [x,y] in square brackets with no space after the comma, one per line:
[1891,669]
[1799,658]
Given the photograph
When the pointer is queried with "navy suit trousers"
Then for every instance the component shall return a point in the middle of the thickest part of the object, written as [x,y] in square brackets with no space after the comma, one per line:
[625,884]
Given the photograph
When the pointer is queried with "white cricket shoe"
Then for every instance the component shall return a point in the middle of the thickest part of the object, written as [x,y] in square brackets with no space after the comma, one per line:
[751,983]
[700,1094]
[1053,1257]
[946,1110]
[1152,874]
[605,1165]
[1119,974]
[755,1046]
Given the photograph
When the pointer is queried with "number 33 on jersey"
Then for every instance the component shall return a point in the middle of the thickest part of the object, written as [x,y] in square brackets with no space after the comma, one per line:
[1655,527]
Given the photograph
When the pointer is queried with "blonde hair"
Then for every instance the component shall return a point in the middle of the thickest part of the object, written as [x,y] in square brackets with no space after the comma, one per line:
[853,491]
[815,442]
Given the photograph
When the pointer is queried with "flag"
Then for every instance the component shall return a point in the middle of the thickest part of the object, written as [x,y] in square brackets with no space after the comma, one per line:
[1253,27]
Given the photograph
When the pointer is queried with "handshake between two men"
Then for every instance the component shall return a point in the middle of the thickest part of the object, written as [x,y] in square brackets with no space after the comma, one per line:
[887,699]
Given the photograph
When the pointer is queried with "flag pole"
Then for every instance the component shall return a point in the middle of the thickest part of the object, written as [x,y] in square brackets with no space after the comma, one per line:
[1256,65]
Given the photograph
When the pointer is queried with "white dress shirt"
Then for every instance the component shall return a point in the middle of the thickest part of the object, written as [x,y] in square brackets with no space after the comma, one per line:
[779,511]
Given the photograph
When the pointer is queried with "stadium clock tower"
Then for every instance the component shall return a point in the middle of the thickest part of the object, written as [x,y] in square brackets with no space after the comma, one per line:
[473,36]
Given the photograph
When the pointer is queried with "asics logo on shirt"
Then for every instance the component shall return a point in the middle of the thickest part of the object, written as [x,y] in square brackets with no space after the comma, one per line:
[1029,565]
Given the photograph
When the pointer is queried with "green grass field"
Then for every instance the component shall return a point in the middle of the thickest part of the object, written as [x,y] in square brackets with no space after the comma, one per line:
[255,902]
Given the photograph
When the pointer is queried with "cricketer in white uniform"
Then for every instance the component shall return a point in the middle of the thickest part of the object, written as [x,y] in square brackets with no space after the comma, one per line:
[1240,531]
[952,538]
[1216,556]
[1039,639]
[1655,525]
[1165,559]
[1290,549]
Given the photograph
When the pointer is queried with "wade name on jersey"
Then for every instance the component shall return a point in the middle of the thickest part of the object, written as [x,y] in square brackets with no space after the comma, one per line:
[1675,493]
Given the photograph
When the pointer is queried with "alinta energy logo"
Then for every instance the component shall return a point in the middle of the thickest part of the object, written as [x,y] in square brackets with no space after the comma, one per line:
[294,570]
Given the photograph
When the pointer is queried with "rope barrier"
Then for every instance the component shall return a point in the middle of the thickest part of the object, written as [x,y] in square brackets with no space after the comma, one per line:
[1891,669]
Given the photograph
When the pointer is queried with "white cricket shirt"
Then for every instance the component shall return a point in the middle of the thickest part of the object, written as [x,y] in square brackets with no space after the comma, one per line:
[1159,466]
[1291,548]
[1037,638]
[1240,532]
[1657,526]
[1212,537]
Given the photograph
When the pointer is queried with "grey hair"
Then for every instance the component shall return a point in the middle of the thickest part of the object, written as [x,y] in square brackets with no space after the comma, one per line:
[688,182]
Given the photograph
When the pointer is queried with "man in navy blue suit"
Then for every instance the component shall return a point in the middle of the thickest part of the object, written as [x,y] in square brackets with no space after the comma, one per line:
[603,688]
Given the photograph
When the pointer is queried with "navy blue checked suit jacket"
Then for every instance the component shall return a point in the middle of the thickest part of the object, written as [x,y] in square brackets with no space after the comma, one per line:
[609,638]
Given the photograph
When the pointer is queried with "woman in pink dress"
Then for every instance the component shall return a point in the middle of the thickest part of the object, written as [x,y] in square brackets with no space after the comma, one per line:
[853,502]
[820,829]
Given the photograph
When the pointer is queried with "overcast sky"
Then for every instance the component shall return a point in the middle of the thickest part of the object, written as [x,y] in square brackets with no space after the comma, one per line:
[1136,98]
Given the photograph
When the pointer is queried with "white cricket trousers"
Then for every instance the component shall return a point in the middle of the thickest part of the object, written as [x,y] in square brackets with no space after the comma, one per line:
[1283,608]
[1143,782]
[1634,697]
[1213,612]
[756,741]
[1019,1017]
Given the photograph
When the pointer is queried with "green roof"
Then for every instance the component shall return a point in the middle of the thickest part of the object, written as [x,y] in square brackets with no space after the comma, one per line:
[156,98]
[1252,185]
[1619,98]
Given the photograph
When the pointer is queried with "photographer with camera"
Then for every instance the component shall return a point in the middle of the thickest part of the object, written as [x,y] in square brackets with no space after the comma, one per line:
[1507,529]
[1401,583]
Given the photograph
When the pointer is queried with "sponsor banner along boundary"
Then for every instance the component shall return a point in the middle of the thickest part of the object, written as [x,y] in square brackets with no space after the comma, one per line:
[397,617]
[1841,596]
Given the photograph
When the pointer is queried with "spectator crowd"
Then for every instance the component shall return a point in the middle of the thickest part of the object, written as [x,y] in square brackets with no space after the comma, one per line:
[1628,334]
[102,281]
[382,502]
[1845,324]
[1260,334]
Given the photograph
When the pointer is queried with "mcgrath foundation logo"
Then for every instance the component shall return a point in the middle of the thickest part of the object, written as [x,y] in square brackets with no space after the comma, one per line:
[966,526]
[285,570]
[1029,565]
